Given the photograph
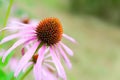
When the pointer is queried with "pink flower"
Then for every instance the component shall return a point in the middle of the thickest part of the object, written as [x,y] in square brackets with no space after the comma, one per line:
[43,70]
[46,34]
[13,63]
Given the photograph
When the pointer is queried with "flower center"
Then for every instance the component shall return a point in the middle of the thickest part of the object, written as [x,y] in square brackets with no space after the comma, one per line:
[25,20]
[49,31]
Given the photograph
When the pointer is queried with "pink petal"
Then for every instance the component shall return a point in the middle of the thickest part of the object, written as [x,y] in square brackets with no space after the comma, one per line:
[49,75]
[68,50]
[12,28]
[34,22]
[13,63]
[48,61]
[16,44]
[47,56]
[28,30]
[19,27]
[46,51]
[65,57]
[44,73]
[40,60]
[13,23]
[69,38]
[26,44]
[28,55]
[49,66]
[27,65]
[57,53]
[58,65]
[10,37]
[31,39]
[36,72]
[21,34]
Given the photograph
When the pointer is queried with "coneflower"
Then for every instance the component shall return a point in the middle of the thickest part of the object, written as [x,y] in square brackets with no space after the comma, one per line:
[47,33]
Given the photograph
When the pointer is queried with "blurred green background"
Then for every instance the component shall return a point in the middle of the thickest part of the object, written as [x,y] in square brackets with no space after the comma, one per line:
[93,23]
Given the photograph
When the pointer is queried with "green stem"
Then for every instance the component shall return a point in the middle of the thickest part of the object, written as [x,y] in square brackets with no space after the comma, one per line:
[6,18]
[12,78]
[8,12]
[39,47]
[27,72]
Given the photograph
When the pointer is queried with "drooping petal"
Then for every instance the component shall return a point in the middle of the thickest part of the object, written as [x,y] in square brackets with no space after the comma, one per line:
[69,38]
[31,39]
[13,63]
[28,55]
[57,52]
[48,61]
[16,44]
[44,73]
[10,37]
[49,66]
[68,50]
[65,57]
[40,60]
[47,56]
[58,65]
[16,22]
[46,51]
[50,76]
[36,74]
[11,28]
[18,35]
[27,65]
[27,45]
[20,27]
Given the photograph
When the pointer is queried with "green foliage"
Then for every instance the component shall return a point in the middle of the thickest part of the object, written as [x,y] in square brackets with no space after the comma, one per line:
[105,9]
[7,60]
[2,75]
[19,12]
[10,76]
[0,3]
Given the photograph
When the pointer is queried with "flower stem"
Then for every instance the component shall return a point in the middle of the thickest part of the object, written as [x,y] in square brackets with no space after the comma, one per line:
[6,17]
[8,12]
[12,78]
[27,72]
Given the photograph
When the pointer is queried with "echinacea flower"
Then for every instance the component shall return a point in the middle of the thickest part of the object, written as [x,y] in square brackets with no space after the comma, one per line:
[46,34]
